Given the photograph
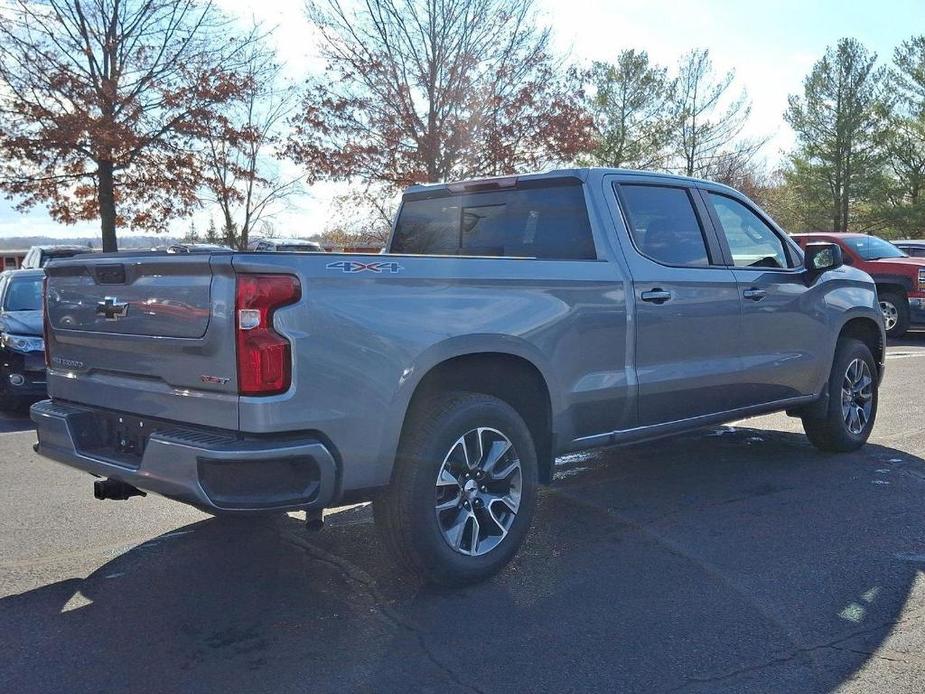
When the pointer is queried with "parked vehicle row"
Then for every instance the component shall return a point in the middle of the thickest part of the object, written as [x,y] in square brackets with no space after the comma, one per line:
[285,246]
[512,320]
[900,278]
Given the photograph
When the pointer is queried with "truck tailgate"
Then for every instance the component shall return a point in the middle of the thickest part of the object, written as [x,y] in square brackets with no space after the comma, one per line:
[151,335]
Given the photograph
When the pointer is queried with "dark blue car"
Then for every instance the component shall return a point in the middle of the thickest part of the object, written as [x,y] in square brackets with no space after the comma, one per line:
[22,349]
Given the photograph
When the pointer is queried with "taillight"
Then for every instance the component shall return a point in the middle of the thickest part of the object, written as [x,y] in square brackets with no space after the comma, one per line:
[264,356]
[46,331]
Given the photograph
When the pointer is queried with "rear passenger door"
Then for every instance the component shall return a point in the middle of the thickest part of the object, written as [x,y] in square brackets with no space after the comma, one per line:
[687,308]
[781,332]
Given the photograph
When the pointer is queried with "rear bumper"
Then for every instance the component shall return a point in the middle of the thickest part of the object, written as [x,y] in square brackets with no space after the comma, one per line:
[209,469]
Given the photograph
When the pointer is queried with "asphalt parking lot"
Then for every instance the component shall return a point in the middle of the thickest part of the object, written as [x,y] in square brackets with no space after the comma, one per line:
[737,559]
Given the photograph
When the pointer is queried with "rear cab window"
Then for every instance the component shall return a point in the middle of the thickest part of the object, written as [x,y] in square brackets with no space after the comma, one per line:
[537,219]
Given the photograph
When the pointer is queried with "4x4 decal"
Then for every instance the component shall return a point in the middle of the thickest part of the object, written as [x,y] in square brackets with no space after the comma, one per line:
[357,266]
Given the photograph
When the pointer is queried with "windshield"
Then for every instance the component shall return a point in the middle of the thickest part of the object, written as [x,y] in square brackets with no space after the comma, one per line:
[24,295]
[873,248]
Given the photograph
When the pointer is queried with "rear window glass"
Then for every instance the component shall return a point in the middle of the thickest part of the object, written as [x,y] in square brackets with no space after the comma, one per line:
[549,222]
[664,225]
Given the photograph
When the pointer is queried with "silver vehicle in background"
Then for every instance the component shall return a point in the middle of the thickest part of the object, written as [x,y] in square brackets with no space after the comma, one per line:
[285,246]
[513,320]
[39,256]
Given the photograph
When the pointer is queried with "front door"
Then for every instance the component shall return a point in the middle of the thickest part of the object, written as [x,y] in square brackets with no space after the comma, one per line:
[687,308]
[782,335]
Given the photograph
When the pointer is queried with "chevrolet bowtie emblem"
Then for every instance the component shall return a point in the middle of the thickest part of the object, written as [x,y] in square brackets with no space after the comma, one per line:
[112,308]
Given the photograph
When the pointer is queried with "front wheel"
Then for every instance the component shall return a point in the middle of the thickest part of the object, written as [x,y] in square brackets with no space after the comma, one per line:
[463,492]
[852,406]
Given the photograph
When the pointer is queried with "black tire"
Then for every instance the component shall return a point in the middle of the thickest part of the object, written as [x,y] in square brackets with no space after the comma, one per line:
[832,432]
[900,304]
[406,513]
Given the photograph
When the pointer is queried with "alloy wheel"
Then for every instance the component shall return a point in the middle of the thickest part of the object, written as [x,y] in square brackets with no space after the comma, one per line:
[478,491]
[857,396]
[890,314]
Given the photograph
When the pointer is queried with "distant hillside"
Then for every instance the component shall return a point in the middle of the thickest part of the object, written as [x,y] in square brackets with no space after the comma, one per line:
[25,242]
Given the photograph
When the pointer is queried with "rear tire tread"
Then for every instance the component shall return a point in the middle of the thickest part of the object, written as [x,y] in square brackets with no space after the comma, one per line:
[393,509]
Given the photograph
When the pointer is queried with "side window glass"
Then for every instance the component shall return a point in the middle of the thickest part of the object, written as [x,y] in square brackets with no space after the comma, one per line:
[751,242]
[664,225]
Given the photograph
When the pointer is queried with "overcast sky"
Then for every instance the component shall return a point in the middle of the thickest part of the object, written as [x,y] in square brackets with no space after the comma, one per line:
[770,45]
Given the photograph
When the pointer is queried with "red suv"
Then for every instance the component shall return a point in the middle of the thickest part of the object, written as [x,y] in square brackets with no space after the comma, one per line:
[900,279]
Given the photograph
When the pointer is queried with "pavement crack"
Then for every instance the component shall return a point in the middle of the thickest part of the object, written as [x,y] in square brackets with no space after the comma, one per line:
[368,585]
[795,654]
[872,654]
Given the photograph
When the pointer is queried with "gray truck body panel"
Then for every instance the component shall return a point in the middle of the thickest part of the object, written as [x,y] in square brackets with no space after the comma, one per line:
[616,368]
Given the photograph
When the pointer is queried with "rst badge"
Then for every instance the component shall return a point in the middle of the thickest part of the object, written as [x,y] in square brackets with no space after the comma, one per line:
[354,266]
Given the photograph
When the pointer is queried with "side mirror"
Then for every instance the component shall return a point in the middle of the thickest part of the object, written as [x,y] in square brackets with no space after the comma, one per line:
[820,257]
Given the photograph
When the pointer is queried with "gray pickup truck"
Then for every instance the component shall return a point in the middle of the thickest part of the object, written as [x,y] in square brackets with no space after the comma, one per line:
[512,320]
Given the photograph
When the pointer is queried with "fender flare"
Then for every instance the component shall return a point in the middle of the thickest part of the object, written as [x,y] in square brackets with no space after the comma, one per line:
[451,348]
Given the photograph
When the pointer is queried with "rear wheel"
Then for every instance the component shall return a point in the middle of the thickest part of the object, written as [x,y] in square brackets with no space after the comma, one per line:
[895,308]
[464,489]
[852,406]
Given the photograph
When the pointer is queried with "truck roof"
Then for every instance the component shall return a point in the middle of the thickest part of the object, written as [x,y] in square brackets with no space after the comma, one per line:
[839,234]
[583,174]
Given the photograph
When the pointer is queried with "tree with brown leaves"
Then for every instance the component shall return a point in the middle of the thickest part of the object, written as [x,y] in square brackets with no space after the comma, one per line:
[430,90]
[103,102]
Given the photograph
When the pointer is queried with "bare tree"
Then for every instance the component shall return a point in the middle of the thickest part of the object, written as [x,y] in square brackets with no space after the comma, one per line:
[244,175]
[708,139]
[362,217]
[102,101]
[427,90]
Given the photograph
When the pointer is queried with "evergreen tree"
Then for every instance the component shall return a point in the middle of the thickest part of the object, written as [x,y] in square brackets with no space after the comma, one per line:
[839,121]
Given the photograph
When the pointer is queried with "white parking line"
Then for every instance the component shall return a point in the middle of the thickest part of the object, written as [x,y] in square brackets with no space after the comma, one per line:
[20,431]
[904,355]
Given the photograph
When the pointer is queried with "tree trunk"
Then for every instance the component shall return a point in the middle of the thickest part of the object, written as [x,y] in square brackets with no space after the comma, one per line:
[107,202]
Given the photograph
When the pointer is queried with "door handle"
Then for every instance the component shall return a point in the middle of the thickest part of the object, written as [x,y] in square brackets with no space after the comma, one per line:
[754,294]
[656,296]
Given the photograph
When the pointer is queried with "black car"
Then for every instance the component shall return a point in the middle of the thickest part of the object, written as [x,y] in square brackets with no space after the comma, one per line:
[22,349]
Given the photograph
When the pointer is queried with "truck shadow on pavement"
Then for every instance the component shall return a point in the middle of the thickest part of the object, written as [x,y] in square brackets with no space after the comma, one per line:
[732,560]
[15,420]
